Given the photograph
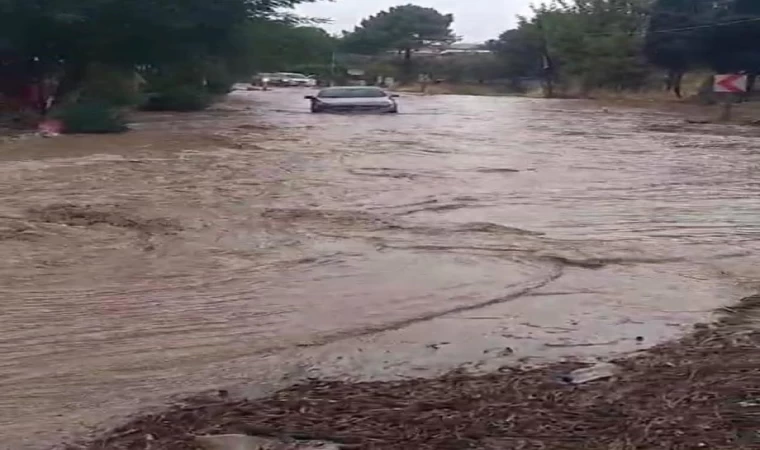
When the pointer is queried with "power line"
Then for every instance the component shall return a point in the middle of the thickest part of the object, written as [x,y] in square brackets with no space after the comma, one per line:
[679,30]
[711,25]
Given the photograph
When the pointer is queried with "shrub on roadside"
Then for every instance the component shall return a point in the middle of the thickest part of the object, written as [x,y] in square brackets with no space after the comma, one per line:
[180,98]
[219,87]
[218,80]
[114,86]
[90,116]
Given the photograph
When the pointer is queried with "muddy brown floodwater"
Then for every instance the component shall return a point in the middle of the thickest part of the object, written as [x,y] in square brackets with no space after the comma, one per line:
[257,244]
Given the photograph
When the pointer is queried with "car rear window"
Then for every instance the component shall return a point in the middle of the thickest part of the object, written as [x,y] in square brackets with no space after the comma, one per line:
[352,93]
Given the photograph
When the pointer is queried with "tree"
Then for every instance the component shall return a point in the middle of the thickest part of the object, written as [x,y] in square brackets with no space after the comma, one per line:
[675,37]
[269,45]
[686,34]
[520,51]
[731,45]
[403,28]
[590,43]
[200,39]
[597,43]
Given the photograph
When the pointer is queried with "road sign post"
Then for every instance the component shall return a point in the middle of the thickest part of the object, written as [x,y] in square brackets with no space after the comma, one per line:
[727,87]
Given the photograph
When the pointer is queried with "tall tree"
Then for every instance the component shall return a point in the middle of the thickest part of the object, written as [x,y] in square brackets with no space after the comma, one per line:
[588,43]
[130,33]
[404,28]
[731,45]
[597,42]
[720,35]
[520,51]
[675,37]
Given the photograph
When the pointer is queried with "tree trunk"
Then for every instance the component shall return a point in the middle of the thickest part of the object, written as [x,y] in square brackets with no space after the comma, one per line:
[678,84]
[674,80]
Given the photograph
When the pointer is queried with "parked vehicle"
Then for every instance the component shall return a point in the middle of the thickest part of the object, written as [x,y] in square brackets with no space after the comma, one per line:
[353,99]
[262,79]
[284,79]
[289,79]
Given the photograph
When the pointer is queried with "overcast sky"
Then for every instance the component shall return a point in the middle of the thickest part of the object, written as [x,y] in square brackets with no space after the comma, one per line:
[474,20]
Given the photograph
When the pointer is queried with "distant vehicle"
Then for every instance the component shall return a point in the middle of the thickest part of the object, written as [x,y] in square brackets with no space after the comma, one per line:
[262,79]
[284,79]
[292,80]
[353,99]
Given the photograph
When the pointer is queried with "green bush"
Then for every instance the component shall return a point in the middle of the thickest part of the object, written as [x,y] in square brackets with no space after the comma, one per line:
[219,87]
[90,117]
[181,98]
[114,86]
[219,81]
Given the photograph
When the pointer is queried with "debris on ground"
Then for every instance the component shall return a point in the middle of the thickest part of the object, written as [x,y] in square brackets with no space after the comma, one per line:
[700,392]
[244,442]
[600,371]
[50,128]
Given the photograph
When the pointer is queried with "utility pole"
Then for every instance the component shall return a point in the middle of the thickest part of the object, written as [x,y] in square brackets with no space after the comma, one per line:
[332,69]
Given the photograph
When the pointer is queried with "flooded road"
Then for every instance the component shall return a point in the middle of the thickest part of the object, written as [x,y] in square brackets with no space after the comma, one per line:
[258,244]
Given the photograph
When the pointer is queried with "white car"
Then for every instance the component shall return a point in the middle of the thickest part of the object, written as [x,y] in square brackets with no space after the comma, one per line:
[294,79]
[353,99]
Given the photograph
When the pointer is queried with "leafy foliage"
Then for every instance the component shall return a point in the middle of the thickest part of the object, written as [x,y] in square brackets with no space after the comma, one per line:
[586,44]
[180,98]
[215,41]
[614,43]
[677,50]
[520,50]
[268,45]
[403,28]
[91,117]
[705,33]
[732,47]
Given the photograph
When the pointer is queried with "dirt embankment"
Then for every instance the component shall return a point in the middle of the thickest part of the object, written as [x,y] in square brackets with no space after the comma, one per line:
[700,392]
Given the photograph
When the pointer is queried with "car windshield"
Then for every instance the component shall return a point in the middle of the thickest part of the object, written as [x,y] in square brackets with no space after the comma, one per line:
[293,75]
[352,93]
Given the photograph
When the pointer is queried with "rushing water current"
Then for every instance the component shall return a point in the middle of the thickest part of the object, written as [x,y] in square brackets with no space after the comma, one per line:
[257,244]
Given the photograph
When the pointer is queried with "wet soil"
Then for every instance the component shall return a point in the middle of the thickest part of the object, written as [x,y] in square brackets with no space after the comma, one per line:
[259,242]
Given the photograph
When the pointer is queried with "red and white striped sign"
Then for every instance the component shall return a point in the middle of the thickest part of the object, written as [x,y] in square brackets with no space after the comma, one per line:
[730,83]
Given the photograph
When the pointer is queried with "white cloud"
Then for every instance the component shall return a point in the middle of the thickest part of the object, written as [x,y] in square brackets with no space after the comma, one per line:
[474,20]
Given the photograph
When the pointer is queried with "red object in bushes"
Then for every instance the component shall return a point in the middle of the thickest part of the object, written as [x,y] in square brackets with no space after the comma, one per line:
[51,127]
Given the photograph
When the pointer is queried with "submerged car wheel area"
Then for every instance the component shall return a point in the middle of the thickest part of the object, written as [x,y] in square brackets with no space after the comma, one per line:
[353,99]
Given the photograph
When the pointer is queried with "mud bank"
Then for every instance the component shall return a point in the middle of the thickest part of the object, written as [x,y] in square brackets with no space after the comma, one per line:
[700,392]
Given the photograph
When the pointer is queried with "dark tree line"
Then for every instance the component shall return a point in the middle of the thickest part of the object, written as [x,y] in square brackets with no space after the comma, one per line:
[617,43]
[205,44]
[692,34]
